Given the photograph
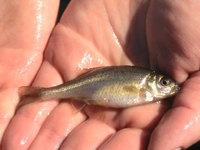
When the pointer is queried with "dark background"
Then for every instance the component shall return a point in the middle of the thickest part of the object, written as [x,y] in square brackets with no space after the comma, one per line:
[63,5]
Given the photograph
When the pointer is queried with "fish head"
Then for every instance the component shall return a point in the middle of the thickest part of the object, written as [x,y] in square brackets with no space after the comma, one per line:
[162,86]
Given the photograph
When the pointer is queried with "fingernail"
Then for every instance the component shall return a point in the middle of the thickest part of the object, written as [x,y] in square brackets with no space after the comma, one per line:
[179,148]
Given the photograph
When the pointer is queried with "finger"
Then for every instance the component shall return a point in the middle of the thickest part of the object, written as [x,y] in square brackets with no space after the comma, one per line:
[7,108]
[59,123]
[180,126]
[24,31]
[129,124]
[88,135]
[28,119]
[23,36]
[128,118]
[128,138]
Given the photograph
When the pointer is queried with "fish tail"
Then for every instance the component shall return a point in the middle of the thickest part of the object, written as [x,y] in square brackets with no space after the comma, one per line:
[28,95]
[28,91]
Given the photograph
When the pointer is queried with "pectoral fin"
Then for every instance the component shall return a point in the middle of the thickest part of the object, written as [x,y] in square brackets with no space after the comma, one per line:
[94,102]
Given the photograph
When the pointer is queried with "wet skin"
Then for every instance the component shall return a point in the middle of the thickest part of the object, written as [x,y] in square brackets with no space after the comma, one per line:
[161,35]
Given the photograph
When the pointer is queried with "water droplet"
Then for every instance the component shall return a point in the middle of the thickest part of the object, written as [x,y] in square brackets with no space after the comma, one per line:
[158,102]
[41,111]
[24,140]
[193,120]
[88,61]
[39,18]
[23,69]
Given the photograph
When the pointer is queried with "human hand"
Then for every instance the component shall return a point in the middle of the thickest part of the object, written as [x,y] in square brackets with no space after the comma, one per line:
[25,27]
[96,33]
[174,49]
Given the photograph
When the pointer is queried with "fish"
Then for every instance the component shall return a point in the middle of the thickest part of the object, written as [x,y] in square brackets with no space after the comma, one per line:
[110,86]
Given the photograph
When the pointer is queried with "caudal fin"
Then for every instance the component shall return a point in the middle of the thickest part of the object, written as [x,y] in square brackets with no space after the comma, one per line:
[28,95]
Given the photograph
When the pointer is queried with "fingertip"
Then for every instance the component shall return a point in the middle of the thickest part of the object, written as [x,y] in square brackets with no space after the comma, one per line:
[177,129]
[179,148]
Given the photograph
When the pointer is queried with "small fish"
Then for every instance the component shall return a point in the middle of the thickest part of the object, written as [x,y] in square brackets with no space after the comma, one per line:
[113,86]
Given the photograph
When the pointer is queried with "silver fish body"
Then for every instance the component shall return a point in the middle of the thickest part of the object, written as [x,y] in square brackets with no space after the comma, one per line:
[114,86]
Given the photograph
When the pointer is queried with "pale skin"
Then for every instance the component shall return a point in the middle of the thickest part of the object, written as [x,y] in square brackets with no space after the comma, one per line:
[161,35]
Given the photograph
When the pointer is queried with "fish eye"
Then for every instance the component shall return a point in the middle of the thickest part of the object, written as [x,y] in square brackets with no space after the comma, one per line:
[164,81]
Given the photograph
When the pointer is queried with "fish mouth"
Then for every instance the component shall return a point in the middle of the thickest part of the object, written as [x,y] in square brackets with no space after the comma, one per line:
[176,89]
[177,86]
